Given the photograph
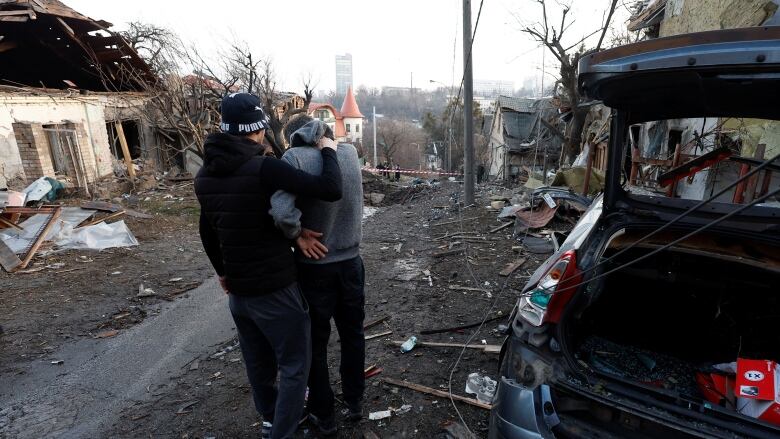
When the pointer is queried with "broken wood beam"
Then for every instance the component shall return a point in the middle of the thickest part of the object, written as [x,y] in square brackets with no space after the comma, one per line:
[435,392]
[449,252]
[40,238]
[510,268]
[100,220]
[486,348]
[125,149]
[462,288]
[375,322]
[692,167]
[458,328]
[10,224]
[502,227]
[381,334]
[454,221]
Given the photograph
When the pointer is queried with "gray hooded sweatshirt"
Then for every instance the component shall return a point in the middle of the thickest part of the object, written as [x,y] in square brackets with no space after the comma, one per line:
[340,222]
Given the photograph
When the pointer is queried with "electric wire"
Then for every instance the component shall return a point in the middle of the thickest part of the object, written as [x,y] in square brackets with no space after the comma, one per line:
[670,244]
[669,223]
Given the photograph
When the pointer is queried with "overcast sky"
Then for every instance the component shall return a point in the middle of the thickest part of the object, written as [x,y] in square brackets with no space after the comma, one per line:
[389,40]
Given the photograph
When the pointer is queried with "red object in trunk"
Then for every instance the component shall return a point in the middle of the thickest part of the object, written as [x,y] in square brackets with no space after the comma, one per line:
[758,389]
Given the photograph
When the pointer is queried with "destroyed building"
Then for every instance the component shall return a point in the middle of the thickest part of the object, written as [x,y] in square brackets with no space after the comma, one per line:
[522,133]
[688,158]
[68,87]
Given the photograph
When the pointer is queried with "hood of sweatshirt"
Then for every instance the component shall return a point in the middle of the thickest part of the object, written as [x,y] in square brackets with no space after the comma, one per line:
[311,133]
[224,153]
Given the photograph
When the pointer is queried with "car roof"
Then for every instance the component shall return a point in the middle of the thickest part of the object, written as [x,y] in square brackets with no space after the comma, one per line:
[733,72]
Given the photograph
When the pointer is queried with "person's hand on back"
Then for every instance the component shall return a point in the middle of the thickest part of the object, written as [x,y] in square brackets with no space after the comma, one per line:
[309,243]
[327,143]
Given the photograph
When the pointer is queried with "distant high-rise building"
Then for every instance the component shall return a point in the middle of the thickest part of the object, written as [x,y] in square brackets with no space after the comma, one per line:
[492,88]
[343,74]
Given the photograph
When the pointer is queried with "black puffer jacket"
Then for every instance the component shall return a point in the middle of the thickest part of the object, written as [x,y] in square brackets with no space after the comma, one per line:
[234,188]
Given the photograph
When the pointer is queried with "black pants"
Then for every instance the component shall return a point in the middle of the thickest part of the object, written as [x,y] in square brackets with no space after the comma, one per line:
[335,291]
[273,330]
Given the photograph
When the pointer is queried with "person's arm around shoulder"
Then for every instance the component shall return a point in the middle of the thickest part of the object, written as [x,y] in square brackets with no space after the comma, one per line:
[278,174]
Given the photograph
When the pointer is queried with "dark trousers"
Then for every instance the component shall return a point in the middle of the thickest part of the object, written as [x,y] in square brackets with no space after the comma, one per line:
[273,330]
[335,291]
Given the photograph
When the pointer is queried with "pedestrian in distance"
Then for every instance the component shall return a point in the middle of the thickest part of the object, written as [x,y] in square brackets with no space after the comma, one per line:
[331,270]
[397,173]
[255,261]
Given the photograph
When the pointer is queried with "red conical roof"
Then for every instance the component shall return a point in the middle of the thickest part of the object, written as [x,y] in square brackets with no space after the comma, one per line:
[350,107]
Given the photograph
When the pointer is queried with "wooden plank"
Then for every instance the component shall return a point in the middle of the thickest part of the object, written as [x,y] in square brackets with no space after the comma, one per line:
[40,238]
[9,224]
[100,220]
[462,288]
[8,259]
[381,334]
[448,252]
[453,222]
[502,227]
[17,19]
[488,349]
[125,149]
[103,206]
[510,268]
[436,392]
[375,322]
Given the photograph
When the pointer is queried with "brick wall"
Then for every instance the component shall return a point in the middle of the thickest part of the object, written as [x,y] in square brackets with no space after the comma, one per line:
[33,150]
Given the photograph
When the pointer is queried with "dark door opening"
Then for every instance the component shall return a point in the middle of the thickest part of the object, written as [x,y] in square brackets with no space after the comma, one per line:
[132,135]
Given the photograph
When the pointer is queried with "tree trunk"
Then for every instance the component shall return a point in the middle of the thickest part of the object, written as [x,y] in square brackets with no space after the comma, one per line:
[574,135]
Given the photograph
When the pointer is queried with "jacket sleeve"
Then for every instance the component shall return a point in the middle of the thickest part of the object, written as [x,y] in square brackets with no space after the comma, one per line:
[281,175]
[208,237]
[286,216]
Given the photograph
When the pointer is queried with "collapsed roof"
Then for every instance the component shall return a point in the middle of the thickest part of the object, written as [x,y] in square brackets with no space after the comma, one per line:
[521,118]
[44,43]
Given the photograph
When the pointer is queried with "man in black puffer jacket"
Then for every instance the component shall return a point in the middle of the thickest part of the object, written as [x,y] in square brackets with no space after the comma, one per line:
[253,258]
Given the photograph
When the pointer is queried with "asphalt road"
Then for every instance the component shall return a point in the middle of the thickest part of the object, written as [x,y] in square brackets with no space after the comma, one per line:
[85,395]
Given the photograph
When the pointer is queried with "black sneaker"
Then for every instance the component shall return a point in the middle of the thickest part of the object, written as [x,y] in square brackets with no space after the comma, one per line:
[354,412]
[325,426]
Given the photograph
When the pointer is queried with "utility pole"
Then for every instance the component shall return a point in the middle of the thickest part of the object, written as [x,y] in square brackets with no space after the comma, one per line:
[374,123]
[468,99]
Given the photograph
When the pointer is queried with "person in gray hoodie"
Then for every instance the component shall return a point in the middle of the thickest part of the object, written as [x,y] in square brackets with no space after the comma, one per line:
[331,272]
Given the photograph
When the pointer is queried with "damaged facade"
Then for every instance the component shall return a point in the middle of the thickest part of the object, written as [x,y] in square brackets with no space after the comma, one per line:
[666,146]
[66,81]
[522,133]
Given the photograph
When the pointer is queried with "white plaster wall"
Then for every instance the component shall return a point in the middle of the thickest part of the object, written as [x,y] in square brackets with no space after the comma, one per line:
[354,121]
[54,110]
[10,161]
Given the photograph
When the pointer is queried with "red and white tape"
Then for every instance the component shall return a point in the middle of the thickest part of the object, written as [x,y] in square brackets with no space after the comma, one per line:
[409,172]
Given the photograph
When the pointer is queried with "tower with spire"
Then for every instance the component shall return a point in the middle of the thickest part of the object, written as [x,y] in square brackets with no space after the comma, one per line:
[353,119]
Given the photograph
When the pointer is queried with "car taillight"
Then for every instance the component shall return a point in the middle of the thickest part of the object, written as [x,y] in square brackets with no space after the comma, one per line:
[545,302]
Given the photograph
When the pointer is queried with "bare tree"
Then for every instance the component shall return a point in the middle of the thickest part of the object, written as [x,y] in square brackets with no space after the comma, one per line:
[392,135]
[181,109]
[568,55]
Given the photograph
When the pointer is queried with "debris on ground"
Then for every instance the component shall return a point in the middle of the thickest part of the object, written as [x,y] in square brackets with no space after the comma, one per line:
[409,344]
[482,387]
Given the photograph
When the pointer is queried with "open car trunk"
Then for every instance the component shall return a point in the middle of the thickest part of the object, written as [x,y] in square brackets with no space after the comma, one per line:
[660,321]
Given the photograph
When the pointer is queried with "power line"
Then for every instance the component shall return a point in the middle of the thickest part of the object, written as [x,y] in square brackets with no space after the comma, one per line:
[677,218]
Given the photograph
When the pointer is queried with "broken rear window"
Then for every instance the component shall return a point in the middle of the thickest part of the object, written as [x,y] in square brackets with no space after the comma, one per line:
[694,158]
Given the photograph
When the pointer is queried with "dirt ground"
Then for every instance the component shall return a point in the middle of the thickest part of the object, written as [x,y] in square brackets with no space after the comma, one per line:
[88,293]
[211,398]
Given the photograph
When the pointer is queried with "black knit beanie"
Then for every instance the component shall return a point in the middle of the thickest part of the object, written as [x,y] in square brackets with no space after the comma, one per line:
[242,113]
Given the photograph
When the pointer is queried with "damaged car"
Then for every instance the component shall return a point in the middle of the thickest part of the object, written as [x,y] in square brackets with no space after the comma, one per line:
[640,323]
